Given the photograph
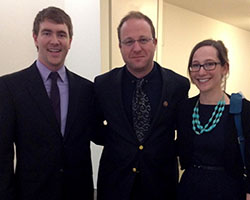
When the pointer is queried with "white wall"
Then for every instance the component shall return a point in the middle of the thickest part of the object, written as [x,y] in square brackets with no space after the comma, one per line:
[17,49]
[85,55]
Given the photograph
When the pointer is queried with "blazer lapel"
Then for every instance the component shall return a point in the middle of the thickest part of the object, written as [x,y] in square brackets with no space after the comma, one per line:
[38,92]
[167,91]
[117,99]
[73,102]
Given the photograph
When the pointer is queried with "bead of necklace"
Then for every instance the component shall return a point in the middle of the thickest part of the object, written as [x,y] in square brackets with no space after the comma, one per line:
[213,120]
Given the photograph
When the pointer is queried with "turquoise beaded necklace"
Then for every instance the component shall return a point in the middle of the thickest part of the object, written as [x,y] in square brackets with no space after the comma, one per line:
[213,120]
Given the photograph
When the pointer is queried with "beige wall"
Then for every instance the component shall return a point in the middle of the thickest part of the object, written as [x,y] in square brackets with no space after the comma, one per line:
[183,29]
[105,19]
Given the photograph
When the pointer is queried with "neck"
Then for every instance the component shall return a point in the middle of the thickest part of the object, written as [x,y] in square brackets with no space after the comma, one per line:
[211,99]
[140,73]
[52,68]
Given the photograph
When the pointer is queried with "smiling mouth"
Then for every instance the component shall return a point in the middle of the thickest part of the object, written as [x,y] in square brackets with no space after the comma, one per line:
[54,50]
[203,80]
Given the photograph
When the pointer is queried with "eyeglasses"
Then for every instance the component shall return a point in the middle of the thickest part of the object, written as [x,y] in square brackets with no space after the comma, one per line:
[141,41]
[209,66]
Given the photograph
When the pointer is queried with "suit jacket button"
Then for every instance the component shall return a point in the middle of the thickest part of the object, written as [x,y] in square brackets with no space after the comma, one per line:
[141,147]
[165,103]
[61,170]
[105,123]
[134,169]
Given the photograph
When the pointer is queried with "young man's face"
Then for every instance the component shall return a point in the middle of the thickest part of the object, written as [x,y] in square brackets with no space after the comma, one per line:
[53,43]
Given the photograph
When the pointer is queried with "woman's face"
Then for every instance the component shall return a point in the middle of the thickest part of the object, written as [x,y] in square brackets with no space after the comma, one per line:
[208,81]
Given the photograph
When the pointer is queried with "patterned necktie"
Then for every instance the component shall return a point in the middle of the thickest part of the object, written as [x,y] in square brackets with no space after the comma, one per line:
[55,96]
[141,111]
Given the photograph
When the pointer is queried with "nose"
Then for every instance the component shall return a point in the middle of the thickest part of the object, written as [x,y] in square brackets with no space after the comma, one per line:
[54,39]
[202,70]
[137,46]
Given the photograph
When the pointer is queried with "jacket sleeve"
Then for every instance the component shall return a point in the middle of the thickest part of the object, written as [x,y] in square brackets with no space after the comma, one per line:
[246,131]
[100,127]
[7,128]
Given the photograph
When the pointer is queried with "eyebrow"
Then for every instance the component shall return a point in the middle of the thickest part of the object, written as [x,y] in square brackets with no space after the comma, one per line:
[140,37]
[46,30]
[207,60]
[49,30]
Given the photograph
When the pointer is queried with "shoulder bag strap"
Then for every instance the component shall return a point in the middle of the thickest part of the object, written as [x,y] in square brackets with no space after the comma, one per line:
[236,109]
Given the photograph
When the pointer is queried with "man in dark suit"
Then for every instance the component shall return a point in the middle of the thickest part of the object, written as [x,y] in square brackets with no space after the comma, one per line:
[138,102]
[48,120]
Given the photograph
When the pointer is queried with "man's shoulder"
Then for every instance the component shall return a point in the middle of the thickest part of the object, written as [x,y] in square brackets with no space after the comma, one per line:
[170,73]
[18,75]
[188,103]
[110,74]
[172,76]
[174,80]
[78,78]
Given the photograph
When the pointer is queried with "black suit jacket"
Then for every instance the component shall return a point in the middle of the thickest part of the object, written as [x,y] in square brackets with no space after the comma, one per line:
[123,156]
[232,157]
[49,166]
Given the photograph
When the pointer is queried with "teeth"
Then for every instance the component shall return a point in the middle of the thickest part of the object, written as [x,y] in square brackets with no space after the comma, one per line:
[203,80]
[54,50]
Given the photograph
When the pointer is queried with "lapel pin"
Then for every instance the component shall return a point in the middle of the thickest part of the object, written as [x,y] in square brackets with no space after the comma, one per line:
[165,103]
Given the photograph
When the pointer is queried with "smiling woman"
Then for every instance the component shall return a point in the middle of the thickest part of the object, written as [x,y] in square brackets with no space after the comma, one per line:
[207,141]
[208,67]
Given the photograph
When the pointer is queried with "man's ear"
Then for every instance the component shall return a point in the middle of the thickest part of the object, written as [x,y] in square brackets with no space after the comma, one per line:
[35,39]
[70,40]
[155,41]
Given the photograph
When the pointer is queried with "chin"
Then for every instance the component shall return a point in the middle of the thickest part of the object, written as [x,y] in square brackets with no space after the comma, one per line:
[204,90]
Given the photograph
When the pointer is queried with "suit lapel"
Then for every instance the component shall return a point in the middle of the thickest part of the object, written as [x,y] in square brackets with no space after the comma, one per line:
[117,84]
[38,92]
[167,91]
[73,102]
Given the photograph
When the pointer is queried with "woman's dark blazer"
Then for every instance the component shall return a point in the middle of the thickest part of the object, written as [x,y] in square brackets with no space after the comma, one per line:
[232,157]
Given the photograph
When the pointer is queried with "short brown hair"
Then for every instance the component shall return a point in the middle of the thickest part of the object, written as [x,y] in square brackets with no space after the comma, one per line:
[135,15]
[54,14]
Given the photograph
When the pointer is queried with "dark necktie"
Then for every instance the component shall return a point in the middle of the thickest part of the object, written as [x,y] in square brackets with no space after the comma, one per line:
[141,111]
[55,96]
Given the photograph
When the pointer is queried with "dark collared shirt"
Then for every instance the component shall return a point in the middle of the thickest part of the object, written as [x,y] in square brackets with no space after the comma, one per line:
[152,87]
